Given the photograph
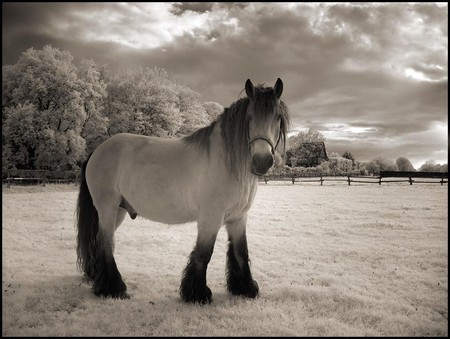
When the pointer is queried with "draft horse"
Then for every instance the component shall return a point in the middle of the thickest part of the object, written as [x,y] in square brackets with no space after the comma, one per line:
[210,176]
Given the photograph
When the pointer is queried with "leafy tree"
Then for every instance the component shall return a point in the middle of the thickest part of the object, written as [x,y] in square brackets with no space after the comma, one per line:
[306,154]
[348,155]
[147,102]
[339,164]
[308,135]
[380,164]
[403,164]
[93,93]
[22,128]
[432,166]
[192,111]
[212,110]
[43,110]
[428,166]
[360,167]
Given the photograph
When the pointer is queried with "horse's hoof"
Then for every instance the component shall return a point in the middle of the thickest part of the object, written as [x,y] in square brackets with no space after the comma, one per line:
[116,292]
[250,290]
[203,296]
[253,290]
[124,295]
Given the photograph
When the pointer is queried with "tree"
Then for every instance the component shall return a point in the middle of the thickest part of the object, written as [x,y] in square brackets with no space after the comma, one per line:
[380,164]
[192,111]
[53,111]
[428,166]
[338,164]
[403,164]
[212,110]
[93,93]
[432,166]
[349,156]
[43,110]
[147,102]
[22,128]
[308,135]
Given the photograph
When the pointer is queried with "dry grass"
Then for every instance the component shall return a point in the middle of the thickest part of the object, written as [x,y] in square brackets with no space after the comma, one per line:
[364,260]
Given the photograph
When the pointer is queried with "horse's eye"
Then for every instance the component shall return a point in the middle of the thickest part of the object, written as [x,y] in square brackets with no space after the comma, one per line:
[279,116]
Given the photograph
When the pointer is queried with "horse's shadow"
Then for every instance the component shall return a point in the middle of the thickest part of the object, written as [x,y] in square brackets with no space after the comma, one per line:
[68,293]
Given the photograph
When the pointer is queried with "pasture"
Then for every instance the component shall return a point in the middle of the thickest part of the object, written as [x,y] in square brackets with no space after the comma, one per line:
[332,260]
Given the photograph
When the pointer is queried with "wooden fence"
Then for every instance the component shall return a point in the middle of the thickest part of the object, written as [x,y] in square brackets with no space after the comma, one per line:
[38,177]
[407,177]
[43,177]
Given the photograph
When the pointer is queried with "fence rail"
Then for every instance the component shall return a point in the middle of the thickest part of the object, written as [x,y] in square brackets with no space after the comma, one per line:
[43,177]
[38,177]
[407,177]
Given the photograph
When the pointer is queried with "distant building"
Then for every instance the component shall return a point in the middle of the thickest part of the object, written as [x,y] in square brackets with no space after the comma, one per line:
[308,154]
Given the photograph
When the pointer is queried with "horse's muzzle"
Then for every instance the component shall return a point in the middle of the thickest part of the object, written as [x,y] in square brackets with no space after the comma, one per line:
[261,163]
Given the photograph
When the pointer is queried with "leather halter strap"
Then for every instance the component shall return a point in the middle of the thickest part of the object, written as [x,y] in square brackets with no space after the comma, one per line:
[262,137]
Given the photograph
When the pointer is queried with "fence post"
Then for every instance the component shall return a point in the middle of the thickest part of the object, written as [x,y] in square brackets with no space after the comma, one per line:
[348,178]
[321,181]
[410,181]
[379,181]
[293,181]
[44,177]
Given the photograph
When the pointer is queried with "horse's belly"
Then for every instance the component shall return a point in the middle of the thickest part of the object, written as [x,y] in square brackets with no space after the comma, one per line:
[163,203]
[166,213]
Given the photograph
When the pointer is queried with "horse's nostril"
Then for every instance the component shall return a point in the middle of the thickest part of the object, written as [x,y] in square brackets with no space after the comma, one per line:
[254,162]
[270,162]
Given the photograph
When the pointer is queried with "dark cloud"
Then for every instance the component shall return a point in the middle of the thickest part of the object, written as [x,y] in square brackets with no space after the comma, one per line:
[342,65]
[179,8]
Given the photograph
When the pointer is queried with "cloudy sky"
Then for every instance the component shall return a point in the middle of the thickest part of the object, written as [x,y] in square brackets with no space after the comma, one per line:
[372,77]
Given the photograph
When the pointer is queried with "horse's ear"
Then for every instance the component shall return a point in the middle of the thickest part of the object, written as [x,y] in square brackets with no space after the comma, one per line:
[249,89]
[278,88]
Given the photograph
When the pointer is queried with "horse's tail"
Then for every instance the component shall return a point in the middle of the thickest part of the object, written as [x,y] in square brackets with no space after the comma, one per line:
[87,226]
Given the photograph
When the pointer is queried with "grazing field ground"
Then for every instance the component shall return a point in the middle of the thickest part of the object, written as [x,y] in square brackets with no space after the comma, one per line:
[332,260]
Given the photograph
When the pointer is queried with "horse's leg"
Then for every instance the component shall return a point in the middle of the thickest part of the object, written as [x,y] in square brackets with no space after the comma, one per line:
[193,284]
[239,277]
[121,214]
[108,281]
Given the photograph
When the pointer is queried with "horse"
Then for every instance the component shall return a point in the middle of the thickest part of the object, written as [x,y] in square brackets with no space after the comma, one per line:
[209,176]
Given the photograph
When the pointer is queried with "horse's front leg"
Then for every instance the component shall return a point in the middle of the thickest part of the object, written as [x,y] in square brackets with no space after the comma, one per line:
[193,284]
[239,277]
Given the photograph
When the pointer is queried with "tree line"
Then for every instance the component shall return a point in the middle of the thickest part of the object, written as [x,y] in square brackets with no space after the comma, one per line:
[345,163]
[56,112]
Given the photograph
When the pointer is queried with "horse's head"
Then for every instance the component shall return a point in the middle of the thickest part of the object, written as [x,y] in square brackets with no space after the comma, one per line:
[267,121]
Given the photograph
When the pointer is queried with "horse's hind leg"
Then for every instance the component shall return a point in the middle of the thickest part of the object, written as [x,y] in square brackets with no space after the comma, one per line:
[121,214]
[108,281]
[239,277]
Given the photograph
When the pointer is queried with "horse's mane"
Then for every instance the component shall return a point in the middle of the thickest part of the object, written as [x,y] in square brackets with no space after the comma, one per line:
[201,136]
[234,123]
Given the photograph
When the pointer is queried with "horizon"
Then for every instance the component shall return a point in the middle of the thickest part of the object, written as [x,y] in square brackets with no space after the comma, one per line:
[372,78]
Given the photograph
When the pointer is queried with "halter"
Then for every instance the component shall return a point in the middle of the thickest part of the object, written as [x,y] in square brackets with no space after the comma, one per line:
[261,137]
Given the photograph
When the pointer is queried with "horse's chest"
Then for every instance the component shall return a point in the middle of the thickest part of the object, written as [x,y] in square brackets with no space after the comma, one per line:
[241,201]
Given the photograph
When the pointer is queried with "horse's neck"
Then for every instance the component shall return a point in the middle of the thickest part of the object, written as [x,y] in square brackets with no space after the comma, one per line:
[243,177]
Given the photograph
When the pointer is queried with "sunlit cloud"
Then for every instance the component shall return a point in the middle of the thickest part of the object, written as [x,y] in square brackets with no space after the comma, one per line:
[336,131]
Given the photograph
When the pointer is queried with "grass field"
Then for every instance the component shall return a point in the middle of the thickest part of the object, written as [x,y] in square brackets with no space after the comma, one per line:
[332,260]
